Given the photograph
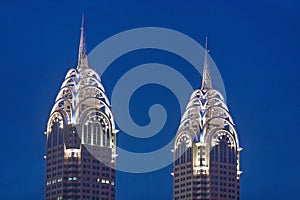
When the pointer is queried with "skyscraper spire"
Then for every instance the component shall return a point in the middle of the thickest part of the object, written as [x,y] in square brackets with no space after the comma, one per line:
[206,80]
[206,147]
[81,132]
[82,57]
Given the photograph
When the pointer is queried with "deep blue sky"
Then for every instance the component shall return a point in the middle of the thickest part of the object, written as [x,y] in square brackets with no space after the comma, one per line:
[255,45]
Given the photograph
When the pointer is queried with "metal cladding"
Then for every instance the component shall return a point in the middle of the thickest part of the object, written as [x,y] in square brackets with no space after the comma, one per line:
[206,148]
[81,137]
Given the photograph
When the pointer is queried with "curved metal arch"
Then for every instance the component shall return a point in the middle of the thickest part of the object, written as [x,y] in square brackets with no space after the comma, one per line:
[101,102]
[69,73]
[68,84]
[58,101]
[86,112]
[214,92]
[215,118]
[196,94]
[62,113]
[186,114]
[107,107]
[95,79]
[216,131]
[183,120]
[197,102]
[218,100]
[86,70]
[193,103]
[85,115]
[180,134]
[59,95]
[218,107]
[185,125]
[99,89]
[234,133]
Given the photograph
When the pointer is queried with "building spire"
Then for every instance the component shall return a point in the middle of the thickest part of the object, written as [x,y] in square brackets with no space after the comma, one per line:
[82,56]
[206,80]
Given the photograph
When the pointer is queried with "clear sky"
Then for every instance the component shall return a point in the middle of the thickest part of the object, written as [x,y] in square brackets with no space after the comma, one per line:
[255,45]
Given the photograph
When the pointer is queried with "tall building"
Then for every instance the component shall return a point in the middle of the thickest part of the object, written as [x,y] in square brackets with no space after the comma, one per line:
[81,137]
[206,148]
